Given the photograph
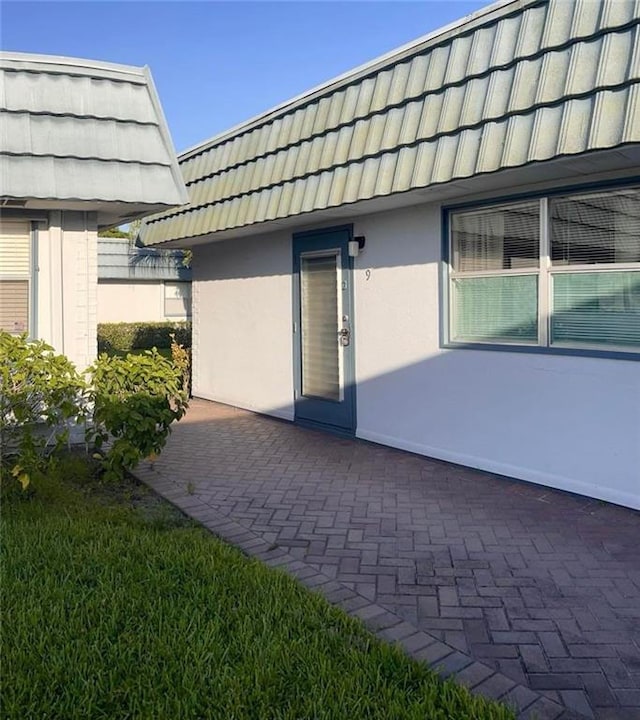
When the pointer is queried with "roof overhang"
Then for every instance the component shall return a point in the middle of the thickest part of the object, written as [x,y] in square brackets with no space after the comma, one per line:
[109,213]
[577,170]
[84,135]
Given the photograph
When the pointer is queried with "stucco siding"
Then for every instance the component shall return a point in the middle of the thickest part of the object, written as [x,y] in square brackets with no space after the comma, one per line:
[130,301]
[242,320]
[66,312]
[567,422]
[563,421]
[134,301]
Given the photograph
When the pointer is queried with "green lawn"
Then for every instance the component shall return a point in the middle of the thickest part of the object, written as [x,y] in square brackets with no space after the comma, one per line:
[116,606]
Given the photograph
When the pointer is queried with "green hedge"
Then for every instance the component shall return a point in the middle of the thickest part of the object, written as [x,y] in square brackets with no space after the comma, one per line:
[141,335]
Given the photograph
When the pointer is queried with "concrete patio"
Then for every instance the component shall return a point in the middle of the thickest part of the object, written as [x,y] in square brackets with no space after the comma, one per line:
[526,594]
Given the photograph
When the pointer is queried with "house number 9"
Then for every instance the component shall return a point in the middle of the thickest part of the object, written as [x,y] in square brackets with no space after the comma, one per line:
[367,274]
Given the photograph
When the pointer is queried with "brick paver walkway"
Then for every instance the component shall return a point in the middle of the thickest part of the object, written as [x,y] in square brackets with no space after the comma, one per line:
[528,594]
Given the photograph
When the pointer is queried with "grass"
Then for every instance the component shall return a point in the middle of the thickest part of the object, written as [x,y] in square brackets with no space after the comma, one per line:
[117,606]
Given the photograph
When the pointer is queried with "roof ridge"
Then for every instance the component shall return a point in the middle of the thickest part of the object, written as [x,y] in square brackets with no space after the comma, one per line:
[64,60]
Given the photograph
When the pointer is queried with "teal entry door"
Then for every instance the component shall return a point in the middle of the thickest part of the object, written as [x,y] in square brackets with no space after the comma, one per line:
[323,330]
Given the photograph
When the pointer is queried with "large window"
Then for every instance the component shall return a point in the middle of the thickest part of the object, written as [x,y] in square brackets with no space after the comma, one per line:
[562,271]
[15,276]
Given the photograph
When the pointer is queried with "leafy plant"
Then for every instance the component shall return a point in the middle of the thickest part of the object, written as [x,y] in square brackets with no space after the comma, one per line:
[135,400]
[126,406]
[42,397]
[181,358]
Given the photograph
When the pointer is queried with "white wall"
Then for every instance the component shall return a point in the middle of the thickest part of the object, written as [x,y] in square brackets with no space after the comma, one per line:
[242,322]
[563,421]
[67,278]
[125,301]
[568,422]
[133,301]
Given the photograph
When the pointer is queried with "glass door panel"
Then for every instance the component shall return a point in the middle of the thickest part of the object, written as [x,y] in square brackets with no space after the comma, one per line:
[319,326]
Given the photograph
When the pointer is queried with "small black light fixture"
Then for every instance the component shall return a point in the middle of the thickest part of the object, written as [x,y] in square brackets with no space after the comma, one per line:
[356,245]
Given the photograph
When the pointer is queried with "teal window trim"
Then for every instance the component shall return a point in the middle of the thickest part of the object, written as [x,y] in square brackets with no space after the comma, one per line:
[544,345]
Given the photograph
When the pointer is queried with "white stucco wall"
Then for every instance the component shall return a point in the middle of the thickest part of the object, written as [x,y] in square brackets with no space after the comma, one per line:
[67,277]
[134,301]
[563,421]
[120,301]
[242,336]
[568,422]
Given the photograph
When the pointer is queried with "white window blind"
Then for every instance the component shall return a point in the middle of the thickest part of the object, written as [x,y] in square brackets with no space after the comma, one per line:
[494,288]
[585,293]
[505,238]
[177,299]
[596,228]
[596,308]
[15,275]
[319,327]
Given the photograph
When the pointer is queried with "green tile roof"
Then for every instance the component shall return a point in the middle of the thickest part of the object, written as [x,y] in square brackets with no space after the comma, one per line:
[517,83]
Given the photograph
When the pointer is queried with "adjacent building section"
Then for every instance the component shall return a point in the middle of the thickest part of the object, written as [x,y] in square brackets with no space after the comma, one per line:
[137,284]
[83,145]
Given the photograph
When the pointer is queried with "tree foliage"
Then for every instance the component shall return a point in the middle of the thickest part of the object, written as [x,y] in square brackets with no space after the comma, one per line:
[113,233]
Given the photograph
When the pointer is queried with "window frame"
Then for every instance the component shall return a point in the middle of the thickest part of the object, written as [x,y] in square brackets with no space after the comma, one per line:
[545,274]
[32,278]
[167,283]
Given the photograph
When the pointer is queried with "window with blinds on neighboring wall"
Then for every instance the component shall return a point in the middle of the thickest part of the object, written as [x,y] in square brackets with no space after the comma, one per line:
[560,271]
[177,299]
[15,276]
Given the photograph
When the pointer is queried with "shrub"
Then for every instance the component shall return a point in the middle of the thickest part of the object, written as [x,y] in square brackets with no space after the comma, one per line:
[42,397]
[142,336]
[135,400]
[181,358]
[125,407]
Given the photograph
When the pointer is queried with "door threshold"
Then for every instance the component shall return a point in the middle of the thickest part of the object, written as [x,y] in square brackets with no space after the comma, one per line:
[325,427]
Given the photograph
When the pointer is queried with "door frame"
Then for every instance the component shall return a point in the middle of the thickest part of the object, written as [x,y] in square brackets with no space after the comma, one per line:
[349,360]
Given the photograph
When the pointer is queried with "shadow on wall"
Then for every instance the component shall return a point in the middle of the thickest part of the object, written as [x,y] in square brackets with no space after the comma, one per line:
[564,422]
[271,254]
[511,415]
[556,420]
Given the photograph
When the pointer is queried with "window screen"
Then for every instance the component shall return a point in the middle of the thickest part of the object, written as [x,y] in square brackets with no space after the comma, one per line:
[496,308]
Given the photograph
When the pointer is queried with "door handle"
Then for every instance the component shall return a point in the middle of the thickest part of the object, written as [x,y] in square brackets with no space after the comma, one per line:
[344,336]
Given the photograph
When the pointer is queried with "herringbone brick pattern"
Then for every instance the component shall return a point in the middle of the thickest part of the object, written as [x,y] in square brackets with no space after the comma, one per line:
[540,585]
